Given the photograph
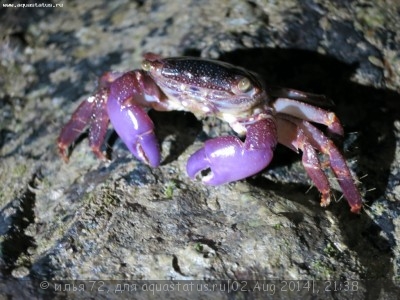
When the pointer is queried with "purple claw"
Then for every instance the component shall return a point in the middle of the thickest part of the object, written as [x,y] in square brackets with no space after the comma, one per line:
[135,128]
[229,159]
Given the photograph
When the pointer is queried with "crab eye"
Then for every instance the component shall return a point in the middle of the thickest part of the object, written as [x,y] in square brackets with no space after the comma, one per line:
[146,65]
[244,84]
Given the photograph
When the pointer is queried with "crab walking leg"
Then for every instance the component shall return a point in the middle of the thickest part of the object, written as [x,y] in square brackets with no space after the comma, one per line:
[308,112]
[314,99]
[337,163]
[230,159]
[70,132]
[99,124]
[292,137]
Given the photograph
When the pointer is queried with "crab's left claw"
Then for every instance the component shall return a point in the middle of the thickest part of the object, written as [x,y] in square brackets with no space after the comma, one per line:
[229,159]
[136,130]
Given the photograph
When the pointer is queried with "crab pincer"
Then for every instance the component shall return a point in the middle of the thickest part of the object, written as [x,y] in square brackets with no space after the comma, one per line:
[229,159]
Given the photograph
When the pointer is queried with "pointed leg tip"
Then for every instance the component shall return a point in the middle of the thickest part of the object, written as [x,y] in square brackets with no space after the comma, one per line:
[356,208]
[65,158]
[62,151]
[325,199]
[335,126]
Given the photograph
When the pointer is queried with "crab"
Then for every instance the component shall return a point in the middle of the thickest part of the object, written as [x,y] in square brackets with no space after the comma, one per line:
[265,116]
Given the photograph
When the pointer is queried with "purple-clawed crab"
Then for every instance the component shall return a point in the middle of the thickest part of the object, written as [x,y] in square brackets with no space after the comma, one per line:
[207,87]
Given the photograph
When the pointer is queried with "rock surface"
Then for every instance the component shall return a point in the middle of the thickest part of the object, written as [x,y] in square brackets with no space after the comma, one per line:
[90,219]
